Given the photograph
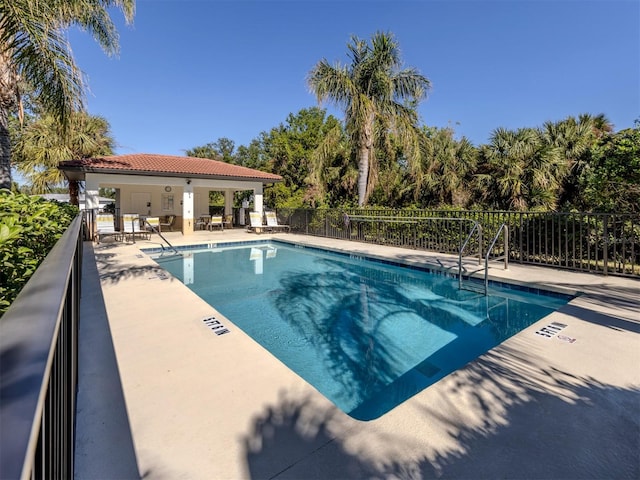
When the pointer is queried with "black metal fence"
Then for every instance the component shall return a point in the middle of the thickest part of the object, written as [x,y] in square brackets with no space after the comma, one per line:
[589,242]
[38,367]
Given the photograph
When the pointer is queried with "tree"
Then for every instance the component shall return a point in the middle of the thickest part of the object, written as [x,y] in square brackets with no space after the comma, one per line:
[222,150]
[34,52]
[203,151]
[377,98]
[447,166]
[574,140]
[290,148]
[42,143]
[333,173]
[611,183]
[253,156]
[519,171]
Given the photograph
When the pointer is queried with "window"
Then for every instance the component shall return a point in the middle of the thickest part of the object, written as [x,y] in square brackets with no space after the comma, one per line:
[167,203]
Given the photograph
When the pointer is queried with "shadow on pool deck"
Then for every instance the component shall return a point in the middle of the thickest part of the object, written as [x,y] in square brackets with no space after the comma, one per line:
[601,319]
[104,443]
[538,440]
[535,424]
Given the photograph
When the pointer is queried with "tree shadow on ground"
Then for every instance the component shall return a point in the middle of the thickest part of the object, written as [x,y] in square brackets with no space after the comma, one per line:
[623,299]
[112,271]
[500,417]
[602,319]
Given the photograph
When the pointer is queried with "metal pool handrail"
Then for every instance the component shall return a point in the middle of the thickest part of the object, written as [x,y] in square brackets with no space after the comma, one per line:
[478,227]
[503,228]
[415,220]
[157,230]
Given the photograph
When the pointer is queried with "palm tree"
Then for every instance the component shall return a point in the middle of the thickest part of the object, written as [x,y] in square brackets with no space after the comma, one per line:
[377,97]
[332,172]
[42,144]
[574,140]
[448,166]
[34,52]
[519,170]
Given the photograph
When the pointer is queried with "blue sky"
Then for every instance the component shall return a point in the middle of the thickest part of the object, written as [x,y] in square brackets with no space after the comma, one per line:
[190,72]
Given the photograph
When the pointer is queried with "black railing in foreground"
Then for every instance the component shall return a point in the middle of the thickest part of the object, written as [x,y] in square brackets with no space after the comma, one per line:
[38,367]
[589,242]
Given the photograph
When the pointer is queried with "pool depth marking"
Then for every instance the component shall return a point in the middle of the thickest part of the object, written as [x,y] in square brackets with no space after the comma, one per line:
[215,325]
[551,330]
[160,275]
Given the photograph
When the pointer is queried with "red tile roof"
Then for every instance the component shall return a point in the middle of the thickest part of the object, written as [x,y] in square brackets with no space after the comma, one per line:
[171,165]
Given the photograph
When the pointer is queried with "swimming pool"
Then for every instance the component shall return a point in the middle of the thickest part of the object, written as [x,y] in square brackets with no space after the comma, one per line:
[368,335]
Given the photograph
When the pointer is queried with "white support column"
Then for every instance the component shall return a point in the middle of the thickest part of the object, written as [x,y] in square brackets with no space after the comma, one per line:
[258,199]
[228,202]
[92,201]
[91,194]
[187,209]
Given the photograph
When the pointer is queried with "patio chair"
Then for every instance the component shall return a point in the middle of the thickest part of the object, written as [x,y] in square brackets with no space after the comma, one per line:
[256,225]
[272,221]
[168,223]
[131,226]
[203,222]
[216,221]
[152,224]
[227,221]
[105,226]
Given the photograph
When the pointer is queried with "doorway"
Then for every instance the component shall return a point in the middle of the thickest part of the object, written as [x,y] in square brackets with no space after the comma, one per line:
[140,203]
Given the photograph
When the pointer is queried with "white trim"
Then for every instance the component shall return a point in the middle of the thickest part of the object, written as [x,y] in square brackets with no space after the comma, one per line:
[114,180]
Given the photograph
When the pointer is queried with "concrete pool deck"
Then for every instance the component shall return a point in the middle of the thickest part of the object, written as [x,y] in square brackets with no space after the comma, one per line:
[162,396]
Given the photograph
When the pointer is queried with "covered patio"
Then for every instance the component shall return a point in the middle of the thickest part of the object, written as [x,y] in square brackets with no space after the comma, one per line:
[166,185]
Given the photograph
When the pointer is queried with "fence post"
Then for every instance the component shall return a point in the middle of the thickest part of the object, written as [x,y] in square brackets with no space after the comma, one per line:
[506,247]
[89,217]
[605,243]
[521,252]
[480,244]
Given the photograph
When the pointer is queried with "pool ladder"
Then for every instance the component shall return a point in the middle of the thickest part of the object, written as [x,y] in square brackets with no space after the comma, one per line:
[477,229]
[156,230]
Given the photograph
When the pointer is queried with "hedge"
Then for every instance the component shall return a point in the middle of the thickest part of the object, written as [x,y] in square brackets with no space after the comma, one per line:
[29,228]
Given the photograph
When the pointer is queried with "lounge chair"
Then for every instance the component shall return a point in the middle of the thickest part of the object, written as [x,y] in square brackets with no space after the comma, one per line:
[272,222]
[131,226]
[256,225]
[105,227]
[216,221]
[168,223]
[227,221]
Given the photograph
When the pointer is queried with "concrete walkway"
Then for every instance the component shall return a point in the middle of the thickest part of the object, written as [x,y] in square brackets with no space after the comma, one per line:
[162,396]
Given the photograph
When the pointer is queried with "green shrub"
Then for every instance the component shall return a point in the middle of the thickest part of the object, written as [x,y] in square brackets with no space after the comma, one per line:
[29,228]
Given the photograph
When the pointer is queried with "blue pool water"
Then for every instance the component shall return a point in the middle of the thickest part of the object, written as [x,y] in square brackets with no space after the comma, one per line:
[367,335]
